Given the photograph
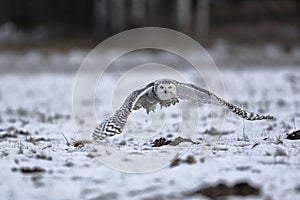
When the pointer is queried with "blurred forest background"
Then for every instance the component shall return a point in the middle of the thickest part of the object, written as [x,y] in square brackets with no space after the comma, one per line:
[55,35]
[78,23]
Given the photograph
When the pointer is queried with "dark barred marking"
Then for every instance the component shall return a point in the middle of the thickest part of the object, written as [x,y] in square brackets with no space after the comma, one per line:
[116,123]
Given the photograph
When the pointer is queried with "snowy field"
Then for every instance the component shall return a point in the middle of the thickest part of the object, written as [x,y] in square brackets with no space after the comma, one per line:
[42,155]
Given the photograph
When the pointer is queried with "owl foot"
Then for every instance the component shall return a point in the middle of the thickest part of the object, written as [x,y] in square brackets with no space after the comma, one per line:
[168,103]
[150,108]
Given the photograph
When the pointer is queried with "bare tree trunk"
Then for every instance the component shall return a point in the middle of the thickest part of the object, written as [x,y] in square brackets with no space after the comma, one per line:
[138,12]
[153,8]
[101,19]
[184,16]
[201,21]
[117,16]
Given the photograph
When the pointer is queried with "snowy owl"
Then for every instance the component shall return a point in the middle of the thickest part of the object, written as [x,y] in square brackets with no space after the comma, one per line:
[166,92]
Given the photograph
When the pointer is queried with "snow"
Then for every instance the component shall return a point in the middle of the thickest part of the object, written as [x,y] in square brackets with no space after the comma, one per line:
[41,103]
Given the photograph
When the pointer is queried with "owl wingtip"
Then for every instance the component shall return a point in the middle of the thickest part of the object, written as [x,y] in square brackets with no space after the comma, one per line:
[271,117]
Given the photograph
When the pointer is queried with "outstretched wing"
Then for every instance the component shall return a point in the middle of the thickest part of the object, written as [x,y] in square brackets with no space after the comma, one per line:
[196,94]
[116,123]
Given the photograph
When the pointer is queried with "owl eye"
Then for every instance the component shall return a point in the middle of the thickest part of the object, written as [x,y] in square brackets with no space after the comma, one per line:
[161,87]
[170,87]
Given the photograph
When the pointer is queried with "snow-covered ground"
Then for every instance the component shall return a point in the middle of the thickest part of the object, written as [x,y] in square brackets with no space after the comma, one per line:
[42,156]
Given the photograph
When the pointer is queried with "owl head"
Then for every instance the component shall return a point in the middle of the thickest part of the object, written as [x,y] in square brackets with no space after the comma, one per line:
[165,89]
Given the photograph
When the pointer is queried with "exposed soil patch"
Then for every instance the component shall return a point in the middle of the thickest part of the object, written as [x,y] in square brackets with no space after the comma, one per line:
[43,157]
[7,135]
[223,190]
[29,170]
[160,142]
[12,132]
[297,189]
[163,141]
[21,132]
[243,168]
[35,140]
[294,135]
[81,143]
[189,160]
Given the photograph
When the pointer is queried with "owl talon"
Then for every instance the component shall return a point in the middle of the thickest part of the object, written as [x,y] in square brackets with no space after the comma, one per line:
[168,103]
[150,108]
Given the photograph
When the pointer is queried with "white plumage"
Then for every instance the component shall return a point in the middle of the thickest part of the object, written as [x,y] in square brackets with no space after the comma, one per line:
[166,92]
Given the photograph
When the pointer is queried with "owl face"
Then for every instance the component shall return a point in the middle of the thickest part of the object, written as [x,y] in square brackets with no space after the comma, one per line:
[165,90]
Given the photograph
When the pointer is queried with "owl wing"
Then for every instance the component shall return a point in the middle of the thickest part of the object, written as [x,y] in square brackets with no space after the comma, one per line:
[116,123]
[196,94]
